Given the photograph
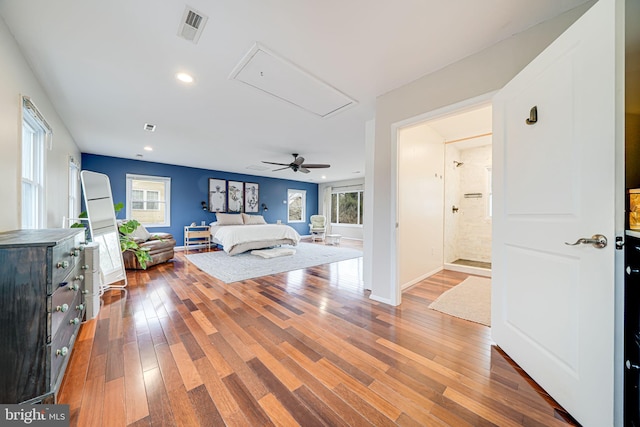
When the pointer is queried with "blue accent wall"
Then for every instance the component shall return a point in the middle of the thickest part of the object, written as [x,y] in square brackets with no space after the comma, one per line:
[190,186]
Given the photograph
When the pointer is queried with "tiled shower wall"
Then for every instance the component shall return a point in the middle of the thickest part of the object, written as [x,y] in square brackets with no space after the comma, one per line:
[470,227]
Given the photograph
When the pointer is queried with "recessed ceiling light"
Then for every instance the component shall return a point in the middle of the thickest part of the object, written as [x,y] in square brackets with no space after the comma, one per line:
[184,77]
[324,177]
[148,148]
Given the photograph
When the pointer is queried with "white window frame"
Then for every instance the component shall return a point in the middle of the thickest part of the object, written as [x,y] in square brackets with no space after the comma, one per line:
[291,192]
[360,208]
[167,202]
[36,137]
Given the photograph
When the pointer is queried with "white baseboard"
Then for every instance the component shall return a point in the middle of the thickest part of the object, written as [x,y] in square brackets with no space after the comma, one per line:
[380,299]
[478,271]
[181,248]
[407,285]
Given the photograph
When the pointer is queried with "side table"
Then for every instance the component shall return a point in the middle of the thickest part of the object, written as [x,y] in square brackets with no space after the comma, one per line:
[196,235]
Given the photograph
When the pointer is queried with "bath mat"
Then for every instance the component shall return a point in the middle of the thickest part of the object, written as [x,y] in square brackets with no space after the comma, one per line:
[470,300]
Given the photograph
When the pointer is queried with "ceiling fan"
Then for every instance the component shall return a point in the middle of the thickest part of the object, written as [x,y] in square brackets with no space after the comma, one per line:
[298,164]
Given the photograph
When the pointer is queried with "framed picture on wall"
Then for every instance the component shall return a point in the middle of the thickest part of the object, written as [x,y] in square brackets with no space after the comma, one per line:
[251,197]
[235,197]
[217,195]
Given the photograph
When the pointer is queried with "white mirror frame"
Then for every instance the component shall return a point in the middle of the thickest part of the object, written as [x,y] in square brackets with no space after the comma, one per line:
[98,201]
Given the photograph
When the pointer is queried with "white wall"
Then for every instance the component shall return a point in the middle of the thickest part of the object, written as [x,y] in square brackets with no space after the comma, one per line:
[348,231]
[369,194]
[17,79]
[420,203]
[476,75]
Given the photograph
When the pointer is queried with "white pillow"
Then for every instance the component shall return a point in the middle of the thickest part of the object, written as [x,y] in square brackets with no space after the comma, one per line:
[140,233]
[253,219]
[229,219]
[213,224]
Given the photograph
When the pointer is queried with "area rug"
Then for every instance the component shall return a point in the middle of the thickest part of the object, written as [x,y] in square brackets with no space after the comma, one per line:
[470,300]
[245,266]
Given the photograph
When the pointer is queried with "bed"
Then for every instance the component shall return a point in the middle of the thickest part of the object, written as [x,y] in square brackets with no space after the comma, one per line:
[247,232]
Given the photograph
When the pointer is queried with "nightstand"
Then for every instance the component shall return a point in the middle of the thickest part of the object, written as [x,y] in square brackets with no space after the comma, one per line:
[196,235]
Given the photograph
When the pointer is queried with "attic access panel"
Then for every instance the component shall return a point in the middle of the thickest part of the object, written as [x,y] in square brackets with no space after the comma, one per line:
[283,79]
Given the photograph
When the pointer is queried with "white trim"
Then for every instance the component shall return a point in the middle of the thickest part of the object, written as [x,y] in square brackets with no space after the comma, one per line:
[382,300]
[478,271]
[421,278]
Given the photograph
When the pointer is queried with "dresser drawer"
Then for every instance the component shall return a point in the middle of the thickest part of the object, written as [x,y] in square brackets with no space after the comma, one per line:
[65,296]
[65,258]
[61,351]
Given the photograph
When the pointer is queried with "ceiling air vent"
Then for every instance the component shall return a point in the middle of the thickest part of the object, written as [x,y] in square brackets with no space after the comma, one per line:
[192,24]
[281,78]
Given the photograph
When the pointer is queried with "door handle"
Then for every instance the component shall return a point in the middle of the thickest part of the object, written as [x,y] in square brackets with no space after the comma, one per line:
[597,240]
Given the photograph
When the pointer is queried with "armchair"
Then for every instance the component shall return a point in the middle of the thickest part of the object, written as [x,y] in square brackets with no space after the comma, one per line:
[318,227]
[160,245]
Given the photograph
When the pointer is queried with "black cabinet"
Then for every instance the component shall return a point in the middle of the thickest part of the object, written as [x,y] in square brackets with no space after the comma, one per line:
[41,306]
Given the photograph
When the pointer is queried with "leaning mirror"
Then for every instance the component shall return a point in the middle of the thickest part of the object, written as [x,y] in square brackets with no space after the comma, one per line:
[101,216]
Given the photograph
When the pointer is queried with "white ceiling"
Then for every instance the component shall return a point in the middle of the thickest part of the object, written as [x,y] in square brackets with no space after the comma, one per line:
[109,67]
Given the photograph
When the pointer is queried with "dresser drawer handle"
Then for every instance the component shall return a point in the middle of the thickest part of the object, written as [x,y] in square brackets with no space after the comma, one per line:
[80,277]
[62,308]
[62,264]
[62,351]
[74,321]
[80,307]
[74,287]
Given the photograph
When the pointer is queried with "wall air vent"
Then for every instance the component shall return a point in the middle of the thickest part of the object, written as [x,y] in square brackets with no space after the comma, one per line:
[192,24]
[149,127]
[272,74]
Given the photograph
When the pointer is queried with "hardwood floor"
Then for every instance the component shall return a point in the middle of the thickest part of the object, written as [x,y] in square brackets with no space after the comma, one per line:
[300,348]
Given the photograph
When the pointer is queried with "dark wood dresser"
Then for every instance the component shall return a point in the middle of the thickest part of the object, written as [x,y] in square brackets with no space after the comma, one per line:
[41,307]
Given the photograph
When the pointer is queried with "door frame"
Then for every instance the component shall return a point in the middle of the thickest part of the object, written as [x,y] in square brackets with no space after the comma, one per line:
[458,107]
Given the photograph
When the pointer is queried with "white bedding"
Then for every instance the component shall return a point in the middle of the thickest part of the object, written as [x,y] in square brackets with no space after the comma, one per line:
[236,239]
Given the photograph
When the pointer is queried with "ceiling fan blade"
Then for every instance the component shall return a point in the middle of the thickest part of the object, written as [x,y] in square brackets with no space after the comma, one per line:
[286,167]
[303,169]
[315,166]
[279,164]
[299,160]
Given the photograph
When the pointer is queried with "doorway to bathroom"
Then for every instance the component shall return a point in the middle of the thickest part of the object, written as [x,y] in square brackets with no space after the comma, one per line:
[444,195]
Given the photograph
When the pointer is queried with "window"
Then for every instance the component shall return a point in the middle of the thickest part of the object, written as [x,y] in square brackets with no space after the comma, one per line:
[35,134]
[297,205]
[149,199]
[347,207]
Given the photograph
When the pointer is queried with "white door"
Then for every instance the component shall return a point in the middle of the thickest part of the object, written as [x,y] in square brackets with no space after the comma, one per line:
[554,182]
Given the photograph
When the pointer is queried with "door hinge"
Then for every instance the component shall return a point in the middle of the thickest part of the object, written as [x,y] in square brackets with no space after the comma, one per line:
[619,243]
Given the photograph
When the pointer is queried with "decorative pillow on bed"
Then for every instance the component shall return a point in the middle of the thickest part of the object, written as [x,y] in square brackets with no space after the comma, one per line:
[253,219]
[229,219]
